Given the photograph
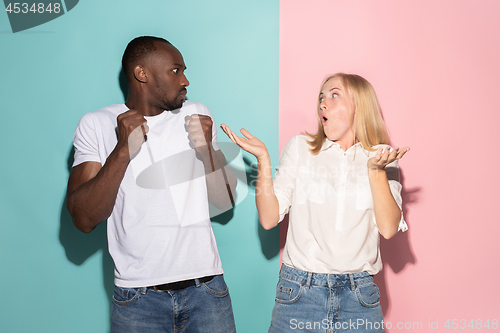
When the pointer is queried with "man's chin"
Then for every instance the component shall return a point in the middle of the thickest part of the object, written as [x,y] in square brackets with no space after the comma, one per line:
[172,107]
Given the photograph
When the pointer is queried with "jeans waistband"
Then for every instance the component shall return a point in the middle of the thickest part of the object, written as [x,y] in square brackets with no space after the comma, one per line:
[181,284]
[309,278]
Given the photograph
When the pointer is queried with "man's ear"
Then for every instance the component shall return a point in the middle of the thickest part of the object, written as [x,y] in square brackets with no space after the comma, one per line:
[140,74]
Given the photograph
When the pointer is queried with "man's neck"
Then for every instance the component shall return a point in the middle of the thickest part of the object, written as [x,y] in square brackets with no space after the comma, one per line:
[142,106]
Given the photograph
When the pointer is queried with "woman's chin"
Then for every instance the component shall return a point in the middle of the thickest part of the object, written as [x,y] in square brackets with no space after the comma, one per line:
[331,137]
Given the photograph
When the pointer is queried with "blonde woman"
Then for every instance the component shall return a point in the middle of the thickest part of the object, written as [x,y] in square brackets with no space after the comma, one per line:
[341,189]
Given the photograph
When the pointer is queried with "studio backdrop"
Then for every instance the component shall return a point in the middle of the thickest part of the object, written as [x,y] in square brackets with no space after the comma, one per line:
[258,64]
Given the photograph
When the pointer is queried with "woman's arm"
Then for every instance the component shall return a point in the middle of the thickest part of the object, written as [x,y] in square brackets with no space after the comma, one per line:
[387,211]
[265,199]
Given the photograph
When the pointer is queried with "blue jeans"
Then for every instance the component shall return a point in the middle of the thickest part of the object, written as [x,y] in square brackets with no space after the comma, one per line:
[310,302]
[205,307]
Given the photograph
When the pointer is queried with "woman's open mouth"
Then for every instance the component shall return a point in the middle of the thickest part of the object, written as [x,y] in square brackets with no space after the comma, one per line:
[323,118]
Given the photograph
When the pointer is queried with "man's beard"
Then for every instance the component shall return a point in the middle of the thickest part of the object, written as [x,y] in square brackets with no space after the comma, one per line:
[172,105]
[175,103]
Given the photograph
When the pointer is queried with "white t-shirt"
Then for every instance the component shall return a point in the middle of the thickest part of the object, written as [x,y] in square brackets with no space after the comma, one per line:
[159,230]
[332,227]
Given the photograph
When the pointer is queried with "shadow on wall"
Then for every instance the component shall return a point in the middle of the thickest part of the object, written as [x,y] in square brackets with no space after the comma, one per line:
[80,246]
[269,239]
[122,81]
[397,252]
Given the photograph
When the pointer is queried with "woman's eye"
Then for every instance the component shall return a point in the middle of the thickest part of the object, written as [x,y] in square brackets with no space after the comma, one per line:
[321,99]
[334,95]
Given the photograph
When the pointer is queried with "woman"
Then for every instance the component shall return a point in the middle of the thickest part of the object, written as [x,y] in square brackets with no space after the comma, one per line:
[341,189]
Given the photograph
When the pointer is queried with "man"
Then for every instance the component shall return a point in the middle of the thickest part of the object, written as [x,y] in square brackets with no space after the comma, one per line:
[136,167]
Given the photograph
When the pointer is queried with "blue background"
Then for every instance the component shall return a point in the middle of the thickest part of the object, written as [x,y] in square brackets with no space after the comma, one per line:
[57,279]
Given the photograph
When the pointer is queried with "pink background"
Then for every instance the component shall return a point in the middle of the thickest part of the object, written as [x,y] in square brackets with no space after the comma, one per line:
[435,68]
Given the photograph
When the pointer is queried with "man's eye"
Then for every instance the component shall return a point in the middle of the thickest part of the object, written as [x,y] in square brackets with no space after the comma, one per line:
[175,70]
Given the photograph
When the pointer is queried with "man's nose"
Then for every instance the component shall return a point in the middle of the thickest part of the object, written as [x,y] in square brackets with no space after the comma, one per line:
[184,81]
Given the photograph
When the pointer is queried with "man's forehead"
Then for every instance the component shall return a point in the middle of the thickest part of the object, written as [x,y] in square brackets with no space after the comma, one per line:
[169,51]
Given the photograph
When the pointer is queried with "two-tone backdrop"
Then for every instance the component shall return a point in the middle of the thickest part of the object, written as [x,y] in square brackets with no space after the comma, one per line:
[258,64]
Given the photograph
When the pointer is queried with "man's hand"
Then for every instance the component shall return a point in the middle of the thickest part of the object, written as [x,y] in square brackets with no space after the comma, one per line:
[221,186]
[199,128]
[132,131]
[92,188]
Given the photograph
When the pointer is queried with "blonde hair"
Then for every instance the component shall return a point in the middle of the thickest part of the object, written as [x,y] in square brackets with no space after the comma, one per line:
[369,127]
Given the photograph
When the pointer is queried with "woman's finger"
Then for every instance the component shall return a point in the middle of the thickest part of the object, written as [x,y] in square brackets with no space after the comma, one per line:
[235,138]
[385,155]
[246,133]
[226,130]
[400,154]
[230,134]
[403,151]
[394,153]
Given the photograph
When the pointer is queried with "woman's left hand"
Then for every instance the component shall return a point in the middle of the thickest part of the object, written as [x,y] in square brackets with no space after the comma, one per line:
[386,156]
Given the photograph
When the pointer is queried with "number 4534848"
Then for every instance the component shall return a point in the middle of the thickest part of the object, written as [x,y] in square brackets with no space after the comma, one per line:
[472,324]
[36,8]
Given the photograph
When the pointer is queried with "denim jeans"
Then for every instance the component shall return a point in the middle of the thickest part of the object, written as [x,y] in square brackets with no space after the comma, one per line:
[310,302]
[205,307]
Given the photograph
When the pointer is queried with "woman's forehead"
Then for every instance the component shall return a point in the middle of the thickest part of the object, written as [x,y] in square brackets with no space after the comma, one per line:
[335,82]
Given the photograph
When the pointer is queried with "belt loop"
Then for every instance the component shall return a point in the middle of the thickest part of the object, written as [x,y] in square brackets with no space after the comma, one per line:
[197,282]
[308,282]
[353,285]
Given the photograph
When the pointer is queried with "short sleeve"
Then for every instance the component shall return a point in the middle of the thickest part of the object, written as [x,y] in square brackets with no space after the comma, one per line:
[392,171]
[86,142]
[214,135]
[284,180]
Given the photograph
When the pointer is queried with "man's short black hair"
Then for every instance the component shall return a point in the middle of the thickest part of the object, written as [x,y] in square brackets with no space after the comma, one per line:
[138,49]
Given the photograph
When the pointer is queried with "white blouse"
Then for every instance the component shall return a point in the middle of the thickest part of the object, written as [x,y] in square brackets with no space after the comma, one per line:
[332,227]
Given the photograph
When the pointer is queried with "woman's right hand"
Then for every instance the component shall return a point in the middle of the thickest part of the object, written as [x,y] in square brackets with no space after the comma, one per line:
[249,143]
[265,199]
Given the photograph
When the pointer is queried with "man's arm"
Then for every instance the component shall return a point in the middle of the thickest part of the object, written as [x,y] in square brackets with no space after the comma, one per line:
[221,182]
[92,189]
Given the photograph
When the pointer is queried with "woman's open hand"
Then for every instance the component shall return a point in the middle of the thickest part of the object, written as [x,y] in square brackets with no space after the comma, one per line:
[386,156]
[249,143]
